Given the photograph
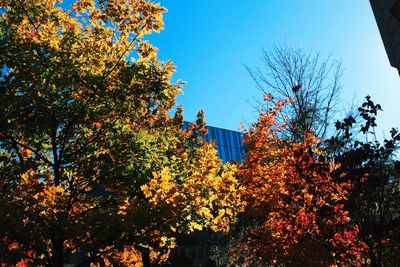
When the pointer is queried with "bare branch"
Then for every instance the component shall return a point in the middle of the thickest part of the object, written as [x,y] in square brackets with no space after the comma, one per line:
[312,82]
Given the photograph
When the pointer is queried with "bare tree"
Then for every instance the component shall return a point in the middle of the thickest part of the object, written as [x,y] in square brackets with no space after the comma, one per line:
[313,84]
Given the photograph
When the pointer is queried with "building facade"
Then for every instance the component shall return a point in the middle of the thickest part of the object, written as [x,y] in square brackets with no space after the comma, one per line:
[387,16]
[228,143]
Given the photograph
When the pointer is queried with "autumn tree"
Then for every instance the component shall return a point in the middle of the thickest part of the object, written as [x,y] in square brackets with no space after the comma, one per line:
[373,170]
[90,159]
[295,206]
[311,81]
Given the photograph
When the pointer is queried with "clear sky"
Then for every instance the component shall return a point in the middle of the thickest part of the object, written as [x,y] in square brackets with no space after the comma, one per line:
[210,40]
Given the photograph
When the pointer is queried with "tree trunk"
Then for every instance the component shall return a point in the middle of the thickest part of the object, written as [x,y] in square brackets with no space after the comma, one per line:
[146,258]
[57,257]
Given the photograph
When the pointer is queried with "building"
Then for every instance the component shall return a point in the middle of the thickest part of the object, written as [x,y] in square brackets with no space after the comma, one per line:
[387,16]
[228,143]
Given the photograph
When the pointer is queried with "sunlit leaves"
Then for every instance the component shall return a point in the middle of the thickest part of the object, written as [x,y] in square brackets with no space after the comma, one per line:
[90,158]
[290,190]
[207,197]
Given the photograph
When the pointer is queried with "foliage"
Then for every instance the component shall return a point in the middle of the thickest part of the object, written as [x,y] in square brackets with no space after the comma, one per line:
[90,158]
[311,207]
[293,200]
[374,172]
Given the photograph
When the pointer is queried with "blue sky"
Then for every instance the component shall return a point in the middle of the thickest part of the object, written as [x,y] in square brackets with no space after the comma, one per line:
[209,41]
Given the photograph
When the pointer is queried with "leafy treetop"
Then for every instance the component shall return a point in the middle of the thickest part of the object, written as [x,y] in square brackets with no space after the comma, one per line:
[90,158]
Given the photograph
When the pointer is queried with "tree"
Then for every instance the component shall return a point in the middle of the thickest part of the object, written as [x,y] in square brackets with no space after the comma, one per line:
[374,173]
[312,83]
[294,203]
[90,158]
